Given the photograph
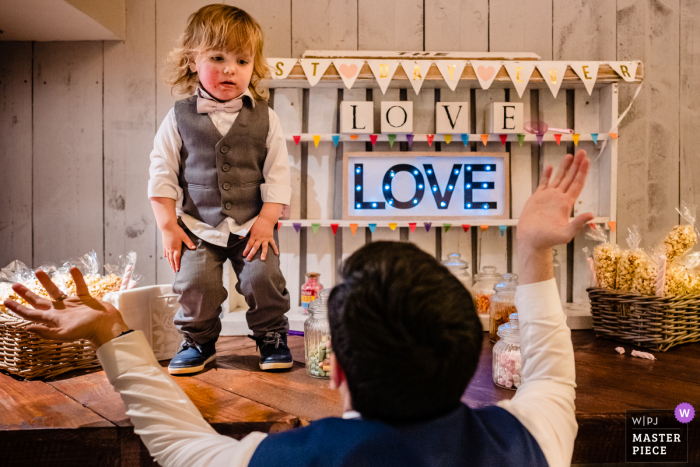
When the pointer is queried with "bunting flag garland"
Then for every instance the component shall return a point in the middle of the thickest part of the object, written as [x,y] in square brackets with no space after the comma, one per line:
[314,68]
[484,227]
[485,139]
[427,226]
[372,227]
[575,137]
[353,229]
[451,71]
[594,137]
[353,137]
[613,135]
[412,225]
[409,138]
[317,138]
[392,138]
[279,225]
[315,227]
[416,70]
[348,69]
[280,67]
[465,227]
[503,229]
[446,227]
[521,139]
[430,139]
[626,70]
[553,74]
[335,139]
[520,73]
[503,139]
[486,71]
[334,228]
[465,139]
[383,72]
[612,225]
[588,72]
[557,138]
[297,226]
[373,139]
[448,138]
[297,138]
[540,138]
[392,225]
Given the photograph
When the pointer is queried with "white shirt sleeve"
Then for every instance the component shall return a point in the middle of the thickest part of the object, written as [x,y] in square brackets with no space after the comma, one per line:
[169,424]
[544,403]
[165,160]
[277,187]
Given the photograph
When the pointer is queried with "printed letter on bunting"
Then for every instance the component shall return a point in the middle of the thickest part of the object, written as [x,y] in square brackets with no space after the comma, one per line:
[486,72]
[588,72]
[416,70]
[314,68]
[520,73]
[280,67]
[451,71]
[357,117]
[383,72]
[397,117]
[627,70]
[553,74]
[348,70]
[452,117]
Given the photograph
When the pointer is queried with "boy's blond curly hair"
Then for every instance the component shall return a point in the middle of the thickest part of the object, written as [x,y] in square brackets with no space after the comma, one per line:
[217,26]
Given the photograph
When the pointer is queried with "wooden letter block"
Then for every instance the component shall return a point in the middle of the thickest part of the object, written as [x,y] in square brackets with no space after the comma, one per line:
[357,117]
[452,117]
[397,117]
[505,117]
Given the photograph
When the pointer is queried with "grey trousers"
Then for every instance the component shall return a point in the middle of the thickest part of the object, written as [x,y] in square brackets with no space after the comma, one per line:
[200,285]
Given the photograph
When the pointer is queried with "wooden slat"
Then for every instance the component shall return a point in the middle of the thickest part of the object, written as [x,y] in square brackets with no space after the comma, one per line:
[583,29]
[129,128]
[275,19]
[323,25]
[689,101]
[523,26]
[457,25]
[16,152]
[390,25]
[67,139]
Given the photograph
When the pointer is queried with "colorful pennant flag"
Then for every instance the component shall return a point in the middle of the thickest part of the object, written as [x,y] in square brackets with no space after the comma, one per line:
[335,139]
[613,135]
[451,71]
[427,226]
[280,67]
[279,225]
[503,139]
[540,138]
[594,137]
[373,139]
[416,70]
[314,68]
[484,139]
[575,137]
[626,70]
[520,73]
[392,138]
[446,227]
[430,139]
[348,69]
[448,138]
[557,138]
[465,227]
[354,137]
[486,72]
[353,229]
[588,72]
[317,139]
[315,227]
[553,74]
[503,229]
[372,227]
[334,228]
[465,138]
[521,139]
[297,226]
[383,72]
[412,225]
[484,227]
[392,225]
[409,138]
[297,138]
[612,225]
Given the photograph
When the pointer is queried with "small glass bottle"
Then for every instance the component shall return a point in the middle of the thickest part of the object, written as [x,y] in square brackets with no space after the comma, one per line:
[502,304]
[483,288]
[557,271]
[459,268]
[506,367]
[310,289]
[317,338]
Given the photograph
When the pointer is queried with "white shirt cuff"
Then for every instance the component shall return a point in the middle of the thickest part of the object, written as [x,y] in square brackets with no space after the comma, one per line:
[276,193]
[540,300]
[124,353]
[159,189]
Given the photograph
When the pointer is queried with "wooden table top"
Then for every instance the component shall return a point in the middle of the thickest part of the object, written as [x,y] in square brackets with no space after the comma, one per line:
[237,398]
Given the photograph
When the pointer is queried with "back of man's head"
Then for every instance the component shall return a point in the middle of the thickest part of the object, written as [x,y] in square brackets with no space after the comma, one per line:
[405,332]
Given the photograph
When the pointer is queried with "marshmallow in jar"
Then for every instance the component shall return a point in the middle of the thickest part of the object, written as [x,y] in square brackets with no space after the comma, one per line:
[317,337]
[507,369]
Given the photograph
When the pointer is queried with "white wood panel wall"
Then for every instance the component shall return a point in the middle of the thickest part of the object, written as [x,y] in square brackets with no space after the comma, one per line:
[77,122]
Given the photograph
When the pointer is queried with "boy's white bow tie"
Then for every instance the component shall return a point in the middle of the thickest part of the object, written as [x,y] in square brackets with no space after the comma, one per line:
[205,105]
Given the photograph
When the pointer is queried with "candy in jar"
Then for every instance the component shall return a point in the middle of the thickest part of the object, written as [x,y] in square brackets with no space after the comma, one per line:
[317,338]
[507,365]
[483,288]
[459,268]
[502,304]
[310,289]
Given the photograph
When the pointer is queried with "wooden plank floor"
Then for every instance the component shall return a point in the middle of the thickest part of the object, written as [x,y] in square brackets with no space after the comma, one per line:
[78,419]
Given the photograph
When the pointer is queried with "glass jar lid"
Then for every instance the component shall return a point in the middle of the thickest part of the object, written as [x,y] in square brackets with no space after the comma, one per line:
[510,331]
[320,305]
[488,273]
[454,260]
[314,275]
[509,284]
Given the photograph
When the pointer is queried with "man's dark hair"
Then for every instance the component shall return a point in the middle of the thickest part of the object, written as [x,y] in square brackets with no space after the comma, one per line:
[405,331]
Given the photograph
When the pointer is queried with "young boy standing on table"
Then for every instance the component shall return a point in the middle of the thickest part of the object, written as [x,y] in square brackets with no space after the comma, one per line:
[219,176]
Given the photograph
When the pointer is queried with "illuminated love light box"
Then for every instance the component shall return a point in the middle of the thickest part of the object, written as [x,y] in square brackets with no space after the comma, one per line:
[425,185]
[505,117]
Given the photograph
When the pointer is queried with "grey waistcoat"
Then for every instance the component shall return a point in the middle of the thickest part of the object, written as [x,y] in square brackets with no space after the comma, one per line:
[221,176]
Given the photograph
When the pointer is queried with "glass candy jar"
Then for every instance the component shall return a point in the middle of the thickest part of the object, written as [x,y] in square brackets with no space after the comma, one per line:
[483,288]
[507,369]
[310,289]
[459,268]
[317,338]
[502,304]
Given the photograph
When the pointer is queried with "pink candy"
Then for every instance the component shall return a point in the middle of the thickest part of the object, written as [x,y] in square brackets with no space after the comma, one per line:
[508,369]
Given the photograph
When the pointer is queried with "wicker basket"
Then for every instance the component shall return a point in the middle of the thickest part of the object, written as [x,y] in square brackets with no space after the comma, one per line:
[25,354]
[657,323]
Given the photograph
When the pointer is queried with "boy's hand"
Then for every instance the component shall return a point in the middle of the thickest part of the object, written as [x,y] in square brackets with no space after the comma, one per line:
[173,238]
[261,235]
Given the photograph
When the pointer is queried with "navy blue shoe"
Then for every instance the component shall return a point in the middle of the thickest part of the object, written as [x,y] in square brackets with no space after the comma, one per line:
[192,358]
[274,353]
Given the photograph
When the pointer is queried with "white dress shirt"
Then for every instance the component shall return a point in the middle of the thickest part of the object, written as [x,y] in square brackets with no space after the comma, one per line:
[165,169]
[175,433]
